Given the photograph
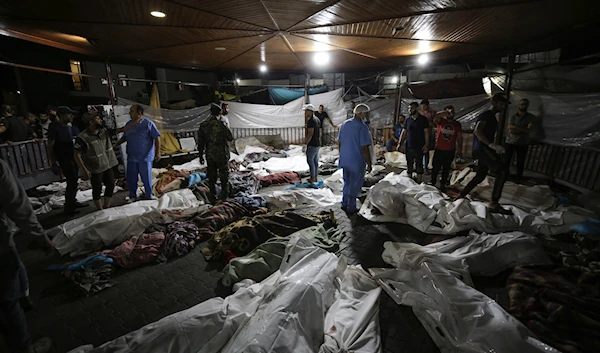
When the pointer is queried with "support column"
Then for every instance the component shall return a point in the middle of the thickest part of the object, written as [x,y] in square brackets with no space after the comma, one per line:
[507,88]
[398,102]
[306,86]
[111,84]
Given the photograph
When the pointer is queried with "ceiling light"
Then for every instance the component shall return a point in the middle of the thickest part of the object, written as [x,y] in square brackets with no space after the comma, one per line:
[158,14]
[237,80]
[395,79]
[263,68]
[220,48]
[423,59]
[321,58]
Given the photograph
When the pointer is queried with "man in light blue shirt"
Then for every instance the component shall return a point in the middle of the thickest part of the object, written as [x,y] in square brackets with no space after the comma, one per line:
[354,141]
[143,147]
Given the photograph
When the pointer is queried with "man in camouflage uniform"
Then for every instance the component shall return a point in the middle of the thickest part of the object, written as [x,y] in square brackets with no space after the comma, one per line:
[214,138]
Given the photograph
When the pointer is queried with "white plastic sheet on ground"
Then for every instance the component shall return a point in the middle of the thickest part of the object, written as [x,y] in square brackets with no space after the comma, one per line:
[396,159]
[113,226]
[301,198]
[476,254]
[287,312]
[278,165]
[400,199]
[457,317]
[537,197]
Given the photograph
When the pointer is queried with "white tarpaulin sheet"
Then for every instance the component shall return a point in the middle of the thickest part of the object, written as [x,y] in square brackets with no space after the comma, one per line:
[399,199]
[279,165]
[457,317]
[113,226]
[301,198]
[483,254]
[293,310]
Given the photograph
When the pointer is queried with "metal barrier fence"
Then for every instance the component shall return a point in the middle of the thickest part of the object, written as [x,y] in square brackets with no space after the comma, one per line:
[26,157]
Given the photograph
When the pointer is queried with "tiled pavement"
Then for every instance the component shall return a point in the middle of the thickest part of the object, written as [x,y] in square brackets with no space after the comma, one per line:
[143,295]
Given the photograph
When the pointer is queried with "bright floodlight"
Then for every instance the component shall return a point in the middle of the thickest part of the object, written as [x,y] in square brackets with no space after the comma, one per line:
[321,58]
[423,59]
[395,79]
[263,68]
[158,14]
[237,80]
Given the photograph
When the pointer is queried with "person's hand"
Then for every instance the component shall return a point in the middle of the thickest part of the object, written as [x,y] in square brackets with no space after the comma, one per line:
[369,168]
[55,169]
[400,148]
[201,160]
[425,149]
[304,149]
[9,142]
[87,174]
[157,157]
[497,148]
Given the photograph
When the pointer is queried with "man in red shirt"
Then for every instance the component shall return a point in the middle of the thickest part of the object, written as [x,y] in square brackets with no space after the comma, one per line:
[448,140]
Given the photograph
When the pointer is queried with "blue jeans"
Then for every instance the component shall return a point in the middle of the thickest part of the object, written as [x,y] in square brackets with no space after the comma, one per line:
[353,182]
[144,169]
[312,157]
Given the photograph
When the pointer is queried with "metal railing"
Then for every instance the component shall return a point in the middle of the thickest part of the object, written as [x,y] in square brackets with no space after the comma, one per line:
[26,157]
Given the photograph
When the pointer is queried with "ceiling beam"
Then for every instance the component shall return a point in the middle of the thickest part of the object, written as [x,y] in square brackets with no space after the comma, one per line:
[245,51]
[43,41]
[384,37]
[427,12]
[216,14]
[270,16]
[344,49]
[313,14]
[289,45]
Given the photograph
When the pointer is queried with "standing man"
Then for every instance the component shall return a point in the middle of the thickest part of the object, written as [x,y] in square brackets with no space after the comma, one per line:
[354,140]
[143,147]
[322,115]
[416,134]
[447,142]
[61,136]
[350,112]
[15,205]
[520,126]
[95,156]
[429,113]
[44,125]
[214,138]
[393,141]
[312,141]
[224,111]
[32,127]
[12,128]
[488,153]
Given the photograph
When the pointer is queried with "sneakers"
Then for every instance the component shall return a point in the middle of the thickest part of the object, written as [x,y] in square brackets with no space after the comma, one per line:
[41,345]
[129,199]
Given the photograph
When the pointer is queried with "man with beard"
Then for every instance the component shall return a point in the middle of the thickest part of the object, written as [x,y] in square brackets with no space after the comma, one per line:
[95,156]
[44,125]
[448,140]
[224,111]
[416,134]
[518,137]
[489,154]
[395,139]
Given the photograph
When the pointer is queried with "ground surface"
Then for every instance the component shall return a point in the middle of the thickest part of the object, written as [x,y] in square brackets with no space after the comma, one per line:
[141,296]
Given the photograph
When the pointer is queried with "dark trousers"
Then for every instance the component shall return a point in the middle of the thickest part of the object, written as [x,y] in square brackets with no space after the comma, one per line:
[488,160]
[12,318]
[442,160]
[217,169]
[521,151]
[71,172]
[414,157]
[108,179]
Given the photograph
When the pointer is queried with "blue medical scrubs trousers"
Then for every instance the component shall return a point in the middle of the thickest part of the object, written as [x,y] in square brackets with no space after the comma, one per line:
[353,182]
[144,169]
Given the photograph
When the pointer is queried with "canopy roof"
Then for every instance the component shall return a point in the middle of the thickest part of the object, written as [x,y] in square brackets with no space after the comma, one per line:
[285,34]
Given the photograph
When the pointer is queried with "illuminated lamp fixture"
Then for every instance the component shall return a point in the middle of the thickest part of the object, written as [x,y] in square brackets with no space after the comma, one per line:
[395,79]
[158,14]
[263,68]
[220,48]
[423,59]
[321,58]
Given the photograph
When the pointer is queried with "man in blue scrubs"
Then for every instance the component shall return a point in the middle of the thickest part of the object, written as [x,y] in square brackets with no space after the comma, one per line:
[143,147]
[354,141]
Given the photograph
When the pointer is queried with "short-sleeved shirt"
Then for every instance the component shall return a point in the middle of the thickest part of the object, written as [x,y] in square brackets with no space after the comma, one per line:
[322,117]
[140,141]
[354,134]
[447,133]
[96,150]
[430,114]
[489,131]
[64,138]
[521,122]
[415,131]
[314,123]
[16,129]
